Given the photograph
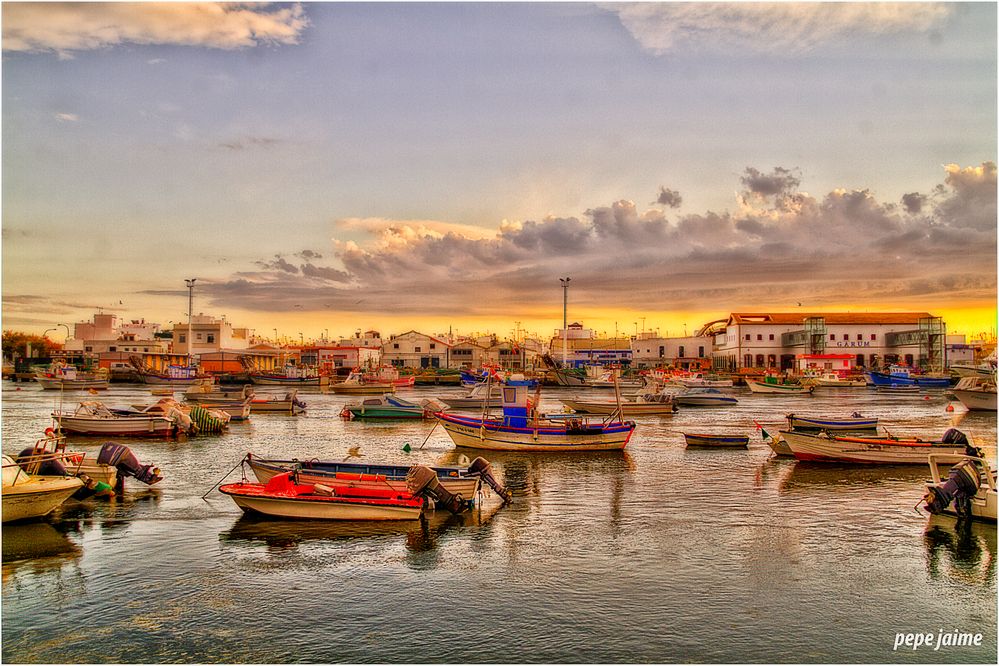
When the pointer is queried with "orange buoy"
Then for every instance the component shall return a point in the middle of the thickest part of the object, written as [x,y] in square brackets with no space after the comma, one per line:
[950,408]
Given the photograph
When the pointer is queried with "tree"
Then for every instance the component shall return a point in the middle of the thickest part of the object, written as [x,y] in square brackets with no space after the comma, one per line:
[16,343]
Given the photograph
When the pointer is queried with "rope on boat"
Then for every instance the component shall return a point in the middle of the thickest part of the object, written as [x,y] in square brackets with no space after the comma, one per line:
[219,482]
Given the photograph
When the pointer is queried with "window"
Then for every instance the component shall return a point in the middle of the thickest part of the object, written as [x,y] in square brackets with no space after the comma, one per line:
[145,349]
[417,349]
[211,337]
[759,336]
[772,361]
[182,338]
[759,360]
[860,336]
[88,349]
[114,349]
[680,352]
[747,361]
[771,336]
[198,337]
[662,351]
[748,336]
[832,336]
[395,346]
[874,336]
[700,352]
[433,345]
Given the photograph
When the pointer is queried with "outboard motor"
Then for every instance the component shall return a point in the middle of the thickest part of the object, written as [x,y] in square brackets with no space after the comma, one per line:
[961,485]
[422,480]
[955,436]
[484,470]
[122,458]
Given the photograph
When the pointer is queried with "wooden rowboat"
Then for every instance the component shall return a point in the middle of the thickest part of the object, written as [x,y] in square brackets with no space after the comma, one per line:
[720,441]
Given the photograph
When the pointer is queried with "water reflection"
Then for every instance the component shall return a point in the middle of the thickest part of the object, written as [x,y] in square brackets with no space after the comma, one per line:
[803,475]
[34,549]
[960,551]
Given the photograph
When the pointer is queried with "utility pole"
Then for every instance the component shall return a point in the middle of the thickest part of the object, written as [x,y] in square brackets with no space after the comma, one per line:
[565,322]
[190,310]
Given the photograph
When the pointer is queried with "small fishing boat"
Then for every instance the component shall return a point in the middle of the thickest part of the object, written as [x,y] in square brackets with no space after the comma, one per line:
[175,375]
[897,375]
[94,418]
[67,378]
[779,446]
[459,481]
[968,490]
[647,404]
[976,394]
[608,378]
[356,384]
[897,389]
[855,422]
[700,380]
[390,374]
[716,441]
[476,396]
[703,397]
[26,495]
[272,404]
[522,428]
[833,380]
[824,447]
[770,385]
[285,497]
[388,406]
[291,375]
[234,403]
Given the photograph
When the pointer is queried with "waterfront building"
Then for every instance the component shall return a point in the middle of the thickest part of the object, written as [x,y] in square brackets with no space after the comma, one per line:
[649,350]
[413,349]
[105,333]
[209,335]
[470,354]
[760,340]
[583,347]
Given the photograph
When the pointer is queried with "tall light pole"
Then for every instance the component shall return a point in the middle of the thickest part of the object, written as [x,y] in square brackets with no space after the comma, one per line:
[190,310]
[565,322]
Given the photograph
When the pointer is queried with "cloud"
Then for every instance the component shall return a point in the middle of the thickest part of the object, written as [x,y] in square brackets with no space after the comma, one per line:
[913,202]
[668,197]
[779,245]
[247,142]
[67,117]
[66,27]
[779,27]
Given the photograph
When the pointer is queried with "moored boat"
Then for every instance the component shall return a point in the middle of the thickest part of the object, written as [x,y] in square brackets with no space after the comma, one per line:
[700,380]
[643,404]
[855,422]
[285,497]
[833,380]
[388,406]
[476,396]
[824,447]
[770,385]
[26,496]
[703,397]
[976,394]
[902,377]
[291,375]
[94,418]
[67,378]
[356,384]
[524,429]
[272,404]
[717,441]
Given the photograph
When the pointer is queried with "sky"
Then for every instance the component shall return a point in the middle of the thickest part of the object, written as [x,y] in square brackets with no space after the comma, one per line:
[328,167]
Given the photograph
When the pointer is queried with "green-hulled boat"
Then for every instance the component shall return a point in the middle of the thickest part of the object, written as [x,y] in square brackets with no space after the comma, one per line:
[389,406]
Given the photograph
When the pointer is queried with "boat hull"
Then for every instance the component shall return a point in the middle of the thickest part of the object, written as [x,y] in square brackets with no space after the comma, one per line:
[55,384]
[37,498]
[704,401]
[975,400]
[779,389]
[362,389]
[882,379]
[717,441]
[331,508]
[862,450]
[144,426]
[473,434]
[363,412]
[806,423]
[271,380]
[627,407]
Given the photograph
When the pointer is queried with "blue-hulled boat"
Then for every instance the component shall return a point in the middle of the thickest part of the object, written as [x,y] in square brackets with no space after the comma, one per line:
[723,441]
[902,377]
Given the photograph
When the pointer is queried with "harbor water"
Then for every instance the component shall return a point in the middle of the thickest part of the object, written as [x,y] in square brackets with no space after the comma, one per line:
[656,554]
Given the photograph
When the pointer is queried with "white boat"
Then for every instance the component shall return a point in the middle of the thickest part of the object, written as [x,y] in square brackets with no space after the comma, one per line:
[703,397]
[968,490]
[94,418]
[476,396]
[770,385]
[291,375]
[66,378]
[700,380]
[833,380]
[976,393]
[356,384]
[272,404]
[643,404]
[28,496]
[824,447]
[815,423]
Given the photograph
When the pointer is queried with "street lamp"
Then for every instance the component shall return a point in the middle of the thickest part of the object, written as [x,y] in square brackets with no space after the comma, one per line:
[190,309]
[565,305]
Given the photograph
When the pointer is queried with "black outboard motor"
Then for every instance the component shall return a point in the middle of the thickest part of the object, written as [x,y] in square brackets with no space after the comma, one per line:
[121,457]
[961,485]
[422,480]
[482,467]
[955,436]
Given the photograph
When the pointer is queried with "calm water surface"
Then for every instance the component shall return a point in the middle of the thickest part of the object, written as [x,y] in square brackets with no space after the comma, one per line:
[657,554]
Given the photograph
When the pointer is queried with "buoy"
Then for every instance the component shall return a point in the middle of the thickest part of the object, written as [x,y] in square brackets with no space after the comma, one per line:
[926,397]
[950,408]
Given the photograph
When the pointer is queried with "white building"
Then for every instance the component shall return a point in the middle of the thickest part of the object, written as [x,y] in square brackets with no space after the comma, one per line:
[875,339]
[106,334]
[413,349]
[209,335]
[651,351]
